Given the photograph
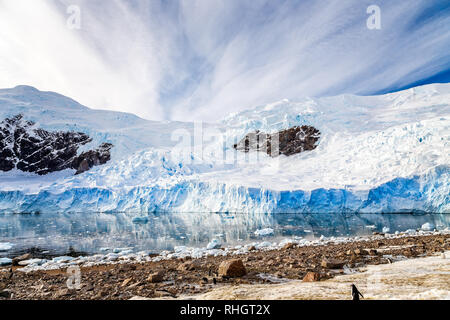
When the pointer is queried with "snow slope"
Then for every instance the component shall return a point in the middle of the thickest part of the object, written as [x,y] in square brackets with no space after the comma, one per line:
[386,153]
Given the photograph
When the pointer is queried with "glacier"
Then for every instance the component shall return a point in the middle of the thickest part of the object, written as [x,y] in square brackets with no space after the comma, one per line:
[376,155]
[387,153]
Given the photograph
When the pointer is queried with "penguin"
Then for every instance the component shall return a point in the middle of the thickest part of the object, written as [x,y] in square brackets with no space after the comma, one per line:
[356,293]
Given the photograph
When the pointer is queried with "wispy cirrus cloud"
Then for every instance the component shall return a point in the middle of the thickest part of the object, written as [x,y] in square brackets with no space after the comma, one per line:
[201,59]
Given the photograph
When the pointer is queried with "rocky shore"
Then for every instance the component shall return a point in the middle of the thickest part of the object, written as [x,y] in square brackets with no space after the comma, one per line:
[173,276]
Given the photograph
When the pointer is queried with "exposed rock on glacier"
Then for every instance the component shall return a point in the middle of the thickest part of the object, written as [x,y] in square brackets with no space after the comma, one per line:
[25,147]
[288,142]
[91,158]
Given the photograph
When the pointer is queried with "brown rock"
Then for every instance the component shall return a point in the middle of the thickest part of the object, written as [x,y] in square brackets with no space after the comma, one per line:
[5,294]
[311,277]
[188,266]
[288,246]
[156,277]
[332,264]
[16,260]
[232,268]
[252,248]
[61,293]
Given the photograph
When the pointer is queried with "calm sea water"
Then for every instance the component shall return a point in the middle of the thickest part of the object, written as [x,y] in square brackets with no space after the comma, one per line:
[91,232]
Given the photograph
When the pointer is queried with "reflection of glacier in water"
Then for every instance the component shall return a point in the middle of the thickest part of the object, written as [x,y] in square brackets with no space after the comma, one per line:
[91,232]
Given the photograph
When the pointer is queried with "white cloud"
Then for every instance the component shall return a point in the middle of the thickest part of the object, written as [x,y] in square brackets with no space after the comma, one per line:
[200,59]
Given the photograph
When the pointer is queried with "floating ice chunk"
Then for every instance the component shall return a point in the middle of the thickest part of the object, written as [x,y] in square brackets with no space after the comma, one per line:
[118,250]
[179,249]
[125,252]
[264,232]
[214,244]
[386,230]
[5,246]
[62,259]
[140,220]
[427,227]
[371,227]
[29,262]
[5,261]
[264,244]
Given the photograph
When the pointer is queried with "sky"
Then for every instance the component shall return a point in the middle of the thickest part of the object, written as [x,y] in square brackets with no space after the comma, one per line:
[193,60]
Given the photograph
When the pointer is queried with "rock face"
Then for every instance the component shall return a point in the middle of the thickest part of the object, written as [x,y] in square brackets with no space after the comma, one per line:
[232,268]
[332,264]
[311,277]
[25,147]
[92,158]
[288,142]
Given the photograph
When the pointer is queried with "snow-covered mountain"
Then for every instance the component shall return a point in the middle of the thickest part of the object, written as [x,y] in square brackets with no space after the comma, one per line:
[387,153]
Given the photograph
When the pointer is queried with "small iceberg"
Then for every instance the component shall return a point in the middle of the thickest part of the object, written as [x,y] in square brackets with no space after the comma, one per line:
[36,262]
[214,244]
[264,232]
[62,259]
[427,227]
[5,261]
[5,246]
[140,220]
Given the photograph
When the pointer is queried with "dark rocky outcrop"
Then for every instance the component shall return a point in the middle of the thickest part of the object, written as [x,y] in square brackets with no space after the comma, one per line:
[92,158]
[30,149]
[290,141]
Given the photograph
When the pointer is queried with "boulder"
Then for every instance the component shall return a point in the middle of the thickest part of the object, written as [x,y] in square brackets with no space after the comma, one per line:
[289,246]
[232,268]
[188,266]
[311,277]
[332,264]
[156,277]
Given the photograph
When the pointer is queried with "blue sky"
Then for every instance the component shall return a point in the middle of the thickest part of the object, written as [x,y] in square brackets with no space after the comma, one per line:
[202,59]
